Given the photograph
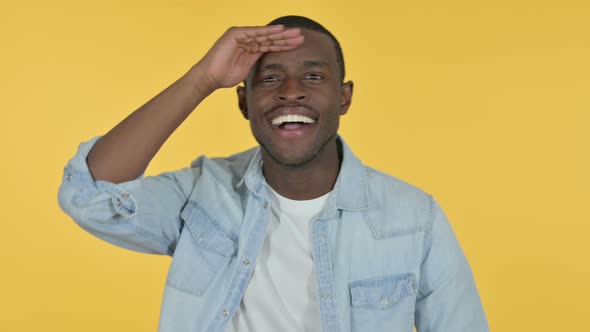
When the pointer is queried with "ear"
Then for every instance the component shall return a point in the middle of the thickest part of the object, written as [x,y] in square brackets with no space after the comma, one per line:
[241,90]
[346,97]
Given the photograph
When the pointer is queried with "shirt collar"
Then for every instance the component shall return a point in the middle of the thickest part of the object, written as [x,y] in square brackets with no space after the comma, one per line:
[350,191]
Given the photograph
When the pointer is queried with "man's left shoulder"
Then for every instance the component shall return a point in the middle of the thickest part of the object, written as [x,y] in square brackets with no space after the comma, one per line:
[396,206]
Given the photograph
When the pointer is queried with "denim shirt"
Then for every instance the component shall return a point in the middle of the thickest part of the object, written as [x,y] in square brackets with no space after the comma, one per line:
[385,256]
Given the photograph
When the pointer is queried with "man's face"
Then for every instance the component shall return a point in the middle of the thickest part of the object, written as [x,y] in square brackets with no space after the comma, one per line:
[294,100]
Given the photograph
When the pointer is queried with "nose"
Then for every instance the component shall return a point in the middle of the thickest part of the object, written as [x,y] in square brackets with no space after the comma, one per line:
[291,91]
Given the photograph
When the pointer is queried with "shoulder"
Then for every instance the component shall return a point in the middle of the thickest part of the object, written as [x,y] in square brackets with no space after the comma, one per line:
[228,171]
[396,206]
[393,187]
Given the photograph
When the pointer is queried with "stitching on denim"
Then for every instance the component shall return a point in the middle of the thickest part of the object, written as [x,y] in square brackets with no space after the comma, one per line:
[225,249]
[371,282]
[325,274]
[430,213]
[405,290]
[163,248]
[255,159]
[197,292]
[77,175]
[330,210]
[379,234]
[152,236]
[218,178]
[365,185]
[213,221]
[114,191]
[401,231]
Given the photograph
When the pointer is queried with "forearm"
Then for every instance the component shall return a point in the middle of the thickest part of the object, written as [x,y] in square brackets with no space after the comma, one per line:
[126,150]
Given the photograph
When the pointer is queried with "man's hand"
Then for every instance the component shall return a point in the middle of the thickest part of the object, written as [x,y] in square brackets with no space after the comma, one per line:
[231,58]
[126,150]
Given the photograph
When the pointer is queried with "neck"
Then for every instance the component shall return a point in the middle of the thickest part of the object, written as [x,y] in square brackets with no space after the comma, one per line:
[309,181]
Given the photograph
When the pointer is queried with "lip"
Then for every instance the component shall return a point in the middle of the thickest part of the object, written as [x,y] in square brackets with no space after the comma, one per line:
[305,130]
[291,110]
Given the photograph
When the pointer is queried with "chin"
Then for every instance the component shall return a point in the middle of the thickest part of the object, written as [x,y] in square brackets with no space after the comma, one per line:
[292,161]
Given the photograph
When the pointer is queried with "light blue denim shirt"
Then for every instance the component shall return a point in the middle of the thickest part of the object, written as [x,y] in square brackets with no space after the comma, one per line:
[385,255]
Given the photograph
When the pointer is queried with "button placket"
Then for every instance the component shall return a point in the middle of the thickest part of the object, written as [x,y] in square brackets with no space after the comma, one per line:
[247,267]
[323,260]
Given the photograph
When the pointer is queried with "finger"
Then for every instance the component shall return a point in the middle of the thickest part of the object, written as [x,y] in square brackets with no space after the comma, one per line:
[251,48]
[262,28]
[283,42]
[259,31]
[245,39]
[256,48]
[248,42]
[276,48]
[287,34]
[272,46]
[247,35]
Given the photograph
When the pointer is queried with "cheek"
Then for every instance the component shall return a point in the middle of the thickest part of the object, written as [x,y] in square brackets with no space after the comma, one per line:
[259,102]
[257,123]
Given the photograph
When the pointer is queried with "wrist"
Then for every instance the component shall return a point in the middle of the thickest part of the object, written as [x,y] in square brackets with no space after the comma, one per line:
[201,84]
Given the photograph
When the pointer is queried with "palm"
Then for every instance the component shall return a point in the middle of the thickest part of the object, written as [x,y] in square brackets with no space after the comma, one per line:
[235,68]
[233,55]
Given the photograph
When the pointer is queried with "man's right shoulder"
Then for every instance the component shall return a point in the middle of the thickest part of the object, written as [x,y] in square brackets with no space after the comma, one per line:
[226,170]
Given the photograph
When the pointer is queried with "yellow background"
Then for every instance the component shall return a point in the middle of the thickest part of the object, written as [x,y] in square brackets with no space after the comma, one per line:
[484,104]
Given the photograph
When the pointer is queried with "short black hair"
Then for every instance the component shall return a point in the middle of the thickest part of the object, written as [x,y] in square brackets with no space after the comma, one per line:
[293,21]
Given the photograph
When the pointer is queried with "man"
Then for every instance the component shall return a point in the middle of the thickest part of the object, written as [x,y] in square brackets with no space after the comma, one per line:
[296,235]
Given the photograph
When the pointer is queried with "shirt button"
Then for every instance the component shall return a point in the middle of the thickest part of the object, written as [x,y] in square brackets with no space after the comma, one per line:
[266,205]
[69,177]
[225,312]
[384,302]
[246,261]
[119,203]
[125,195]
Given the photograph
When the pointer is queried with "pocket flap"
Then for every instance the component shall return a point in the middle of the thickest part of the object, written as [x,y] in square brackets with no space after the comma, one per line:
[206,232]
[382,293]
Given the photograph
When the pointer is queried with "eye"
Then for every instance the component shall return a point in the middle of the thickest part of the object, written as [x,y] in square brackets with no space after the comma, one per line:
[313,76]
[269,79]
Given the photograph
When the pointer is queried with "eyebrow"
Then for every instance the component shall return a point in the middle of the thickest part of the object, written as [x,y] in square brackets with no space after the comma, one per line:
[306,63]
[315,63]
[272,66]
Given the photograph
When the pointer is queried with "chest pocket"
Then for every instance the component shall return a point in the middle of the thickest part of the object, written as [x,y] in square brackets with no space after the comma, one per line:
[203,252]
[384,303]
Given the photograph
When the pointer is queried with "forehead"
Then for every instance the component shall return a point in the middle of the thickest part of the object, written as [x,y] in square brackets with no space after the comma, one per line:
[316,47]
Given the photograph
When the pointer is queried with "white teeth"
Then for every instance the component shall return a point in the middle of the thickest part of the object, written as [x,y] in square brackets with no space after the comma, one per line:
[291,118]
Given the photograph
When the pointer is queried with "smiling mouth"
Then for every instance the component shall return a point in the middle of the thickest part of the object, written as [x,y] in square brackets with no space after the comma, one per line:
[292,121]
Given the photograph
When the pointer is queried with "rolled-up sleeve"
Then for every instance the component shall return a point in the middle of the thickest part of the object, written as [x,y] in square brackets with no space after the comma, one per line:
[447,299]
[141,215]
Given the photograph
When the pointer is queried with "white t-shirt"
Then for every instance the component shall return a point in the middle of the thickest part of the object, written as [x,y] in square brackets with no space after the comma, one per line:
[282,293]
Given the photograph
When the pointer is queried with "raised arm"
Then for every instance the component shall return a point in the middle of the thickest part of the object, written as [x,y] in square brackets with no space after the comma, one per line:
[125,151]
